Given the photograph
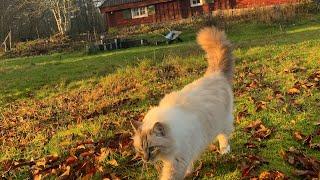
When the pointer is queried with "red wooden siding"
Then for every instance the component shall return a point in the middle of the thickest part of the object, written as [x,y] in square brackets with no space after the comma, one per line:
[116,18]
[169,10]
[188,11]
[225,4]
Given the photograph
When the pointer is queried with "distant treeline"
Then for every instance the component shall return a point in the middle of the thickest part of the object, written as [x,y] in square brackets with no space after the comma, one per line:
[33,19]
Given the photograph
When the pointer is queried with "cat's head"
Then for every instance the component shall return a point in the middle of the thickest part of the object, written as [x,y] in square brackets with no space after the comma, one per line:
[151,142]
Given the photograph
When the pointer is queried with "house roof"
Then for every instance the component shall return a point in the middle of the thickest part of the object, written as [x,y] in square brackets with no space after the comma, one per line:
[108,3]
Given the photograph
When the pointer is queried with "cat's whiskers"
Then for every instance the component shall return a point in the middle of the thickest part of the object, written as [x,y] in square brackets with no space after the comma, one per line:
[145,166]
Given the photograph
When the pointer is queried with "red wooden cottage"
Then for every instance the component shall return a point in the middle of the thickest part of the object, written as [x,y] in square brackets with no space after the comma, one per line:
[133,12]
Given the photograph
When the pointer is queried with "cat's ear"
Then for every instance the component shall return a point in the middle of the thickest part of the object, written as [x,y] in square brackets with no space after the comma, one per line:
[159,129]
[135,125]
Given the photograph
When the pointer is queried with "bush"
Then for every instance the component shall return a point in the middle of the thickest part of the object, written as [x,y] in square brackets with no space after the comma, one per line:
[44,46]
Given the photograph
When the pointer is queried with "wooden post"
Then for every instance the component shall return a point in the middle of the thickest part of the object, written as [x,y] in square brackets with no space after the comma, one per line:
[116,43]
[5,46]
[10,40]
[9,36]
[95,34]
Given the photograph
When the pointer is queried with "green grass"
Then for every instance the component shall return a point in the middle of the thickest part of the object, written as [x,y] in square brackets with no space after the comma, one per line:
[49,103]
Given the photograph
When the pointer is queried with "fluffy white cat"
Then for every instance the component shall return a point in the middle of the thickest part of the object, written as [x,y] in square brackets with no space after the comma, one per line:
[187,121]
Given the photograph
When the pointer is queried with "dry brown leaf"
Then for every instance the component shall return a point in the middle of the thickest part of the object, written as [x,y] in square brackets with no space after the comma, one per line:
[253,125]
[87,153]
[115,177]
[70,160]
[104,152]
[262,133]
[113,162]
[258,130]
[241,115]
[250,163]
[305,166]
[37,177]
[298,136]
[317,123]
[315,146]
[261,105]
[41,162]
[308,140]
[66,172]
[274,175]
[250,145]
[293,91]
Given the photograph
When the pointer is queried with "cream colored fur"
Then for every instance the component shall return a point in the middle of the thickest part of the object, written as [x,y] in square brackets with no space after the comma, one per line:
[194,116]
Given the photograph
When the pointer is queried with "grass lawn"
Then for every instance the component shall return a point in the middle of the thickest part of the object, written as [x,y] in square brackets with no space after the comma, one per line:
[78,106]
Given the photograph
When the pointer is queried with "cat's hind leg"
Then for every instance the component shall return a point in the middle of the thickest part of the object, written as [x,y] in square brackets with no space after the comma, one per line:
[223,144]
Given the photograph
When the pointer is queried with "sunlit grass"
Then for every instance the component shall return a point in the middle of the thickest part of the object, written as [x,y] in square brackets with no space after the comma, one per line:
[52,102]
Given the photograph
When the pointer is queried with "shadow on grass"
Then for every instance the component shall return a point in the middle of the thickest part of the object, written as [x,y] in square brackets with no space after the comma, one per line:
[20,78]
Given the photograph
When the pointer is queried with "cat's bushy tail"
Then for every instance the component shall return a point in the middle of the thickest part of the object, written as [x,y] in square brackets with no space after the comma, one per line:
[218,49]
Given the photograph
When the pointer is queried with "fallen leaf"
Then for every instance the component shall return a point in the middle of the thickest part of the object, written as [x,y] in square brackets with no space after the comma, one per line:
[317,123]
[305,166]
[315,146]
[298,136]
[305,173]
[66,172]
[37,177]
[253,125]
[114,177]
[262,133]
[241,115]
[308,140]
[41,162]
[261,105]
[258,130]
[274,175]
[113,162]
[250,145]
[298,69]
[104,152]
[250,163]
[70,160]
[86,154]
[293,91]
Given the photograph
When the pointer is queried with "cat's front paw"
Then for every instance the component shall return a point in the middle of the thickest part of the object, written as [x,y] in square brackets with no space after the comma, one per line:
[189,171]
[225,150]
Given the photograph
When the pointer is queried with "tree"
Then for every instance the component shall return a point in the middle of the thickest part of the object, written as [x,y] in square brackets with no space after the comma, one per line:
[62,11]
[87,18]
[32,19]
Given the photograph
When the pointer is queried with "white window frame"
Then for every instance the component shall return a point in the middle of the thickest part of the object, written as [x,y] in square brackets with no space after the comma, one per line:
[197,4]
[134,16]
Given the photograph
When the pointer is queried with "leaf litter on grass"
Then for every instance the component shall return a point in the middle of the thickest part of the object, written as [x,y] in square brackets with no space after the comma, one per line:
[251,162]
[73,112]
[83,160]
[305,166]
[308,140]
[258,131]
